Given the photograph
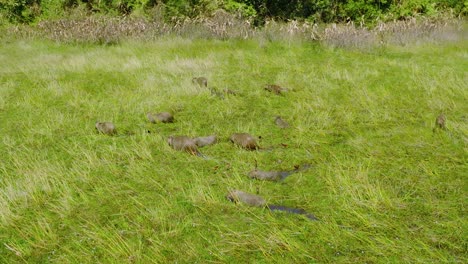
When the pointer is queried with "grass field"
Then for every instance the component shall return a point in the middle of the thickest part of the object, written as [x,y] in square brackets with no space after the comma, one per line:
[386,188]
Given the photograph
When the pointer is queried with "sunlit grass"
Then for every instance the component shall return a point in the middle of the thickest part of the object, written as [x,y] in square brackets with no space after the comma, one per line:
[385,187]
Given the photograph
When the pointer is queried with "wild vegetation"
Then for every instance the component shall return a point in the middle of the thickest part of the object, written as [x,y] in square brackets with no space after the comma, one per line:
[385,185]
[82,29]
[372,133]
[27,11]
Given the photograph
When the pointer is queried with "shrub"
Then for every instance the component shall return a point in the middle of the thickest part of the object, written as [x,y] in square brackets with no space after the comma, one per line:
[20,11]
[27,11]
[241,9]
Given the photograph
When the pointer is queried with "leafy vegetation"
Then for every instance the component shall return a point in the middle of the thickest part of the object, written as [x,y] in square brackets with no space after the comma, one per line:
[26,11]
[385,187]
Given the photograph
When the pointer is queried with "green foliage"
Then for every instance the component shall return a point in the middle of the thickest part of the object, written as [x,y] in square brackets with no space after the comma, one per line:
[20,11]
[51,9]
[322,10]
[414,8]
[117,7]
[363,9]
[459,7]
[26,11]
[243,9]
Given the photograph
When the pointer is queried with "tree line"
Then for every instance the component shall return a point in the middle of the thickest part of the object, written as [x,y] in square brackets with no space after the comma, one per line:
[28,11]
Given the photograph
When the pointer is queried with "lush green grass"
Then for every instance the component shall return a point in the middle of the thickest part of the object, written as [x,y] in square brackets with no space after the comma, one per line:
[385,187]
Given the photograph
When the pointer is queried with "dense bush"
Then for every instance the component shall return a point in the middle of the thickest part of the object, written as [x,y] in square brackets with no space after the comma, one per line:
[27,11]
[22,11]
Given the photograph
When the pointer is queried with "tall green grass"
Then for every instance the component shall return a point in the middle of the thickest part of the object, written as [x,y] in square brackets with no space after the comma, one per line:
[386,188]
